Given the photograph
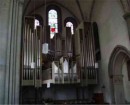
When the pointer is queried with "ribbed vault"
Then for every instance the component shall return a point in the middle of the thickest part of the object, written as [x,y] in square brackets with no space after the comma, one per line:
[79,8]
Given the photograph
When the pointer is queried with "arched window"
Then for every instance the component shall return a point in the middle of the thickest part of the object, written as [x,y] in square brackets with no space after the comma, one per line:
[37,23]
[54,19]
[70,24]
[53,22]
[38,20]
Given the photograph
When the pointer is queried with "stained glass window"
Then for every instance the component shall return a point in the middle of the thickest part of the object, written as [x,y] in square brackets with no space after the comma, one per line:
[37,23]
[53,22]
[69,24]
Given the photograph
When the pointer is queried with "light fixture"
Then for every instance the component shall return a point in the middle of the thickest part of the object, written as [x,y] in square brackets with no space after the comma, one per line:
[96,65]
[48,84]
[32,65]
[45,48]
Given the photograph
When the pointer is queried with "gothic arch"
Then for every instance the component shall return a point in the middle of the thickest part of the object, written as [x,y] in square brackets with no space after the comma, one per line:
[119,55]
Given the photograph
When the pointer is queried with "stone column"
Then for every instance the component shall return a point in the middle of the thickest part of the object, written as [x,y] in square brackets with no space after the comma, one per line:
[118,89]
[12,75]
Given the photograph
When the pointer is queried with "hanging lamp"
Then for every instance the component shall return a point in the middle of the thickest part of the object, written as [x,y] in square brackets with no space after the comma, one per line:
[45,46]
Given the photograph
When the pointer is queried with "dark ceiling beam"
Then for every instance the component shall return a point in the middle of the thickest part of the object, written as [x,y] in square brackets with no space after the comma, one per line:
[56,3]
[81,12]
[91,11]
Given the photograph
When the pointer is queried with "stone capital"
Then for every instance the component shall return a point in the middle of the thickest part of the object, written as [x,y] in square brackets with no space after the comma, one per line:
[126,15]
[117,79]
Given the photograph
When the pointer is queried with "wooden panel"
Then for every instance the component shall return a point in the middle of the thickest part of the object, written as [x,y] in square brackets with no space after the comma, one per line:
[98,97]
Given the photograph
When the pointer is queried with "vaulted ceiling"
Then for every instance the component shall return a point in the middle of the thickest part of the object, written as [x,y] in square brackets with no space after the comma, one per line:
[80,8]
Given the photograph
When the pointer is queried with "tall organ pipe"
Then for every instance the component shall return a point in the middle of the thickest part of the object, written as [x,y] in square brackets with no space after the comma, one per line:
[91,48]
[85,47]
[94,54]
[26,72]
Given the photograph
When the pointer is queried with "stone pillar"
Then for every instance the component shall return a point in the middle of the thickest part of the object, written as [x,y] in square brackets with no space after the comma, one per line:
[4,11]
[118,89]
[127,18]
[12,75]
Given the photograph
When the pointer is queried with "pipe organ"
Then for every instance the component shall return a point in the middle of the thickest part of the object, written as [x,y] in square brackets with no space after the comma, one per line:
[85,53]
[31,54]
[70,58]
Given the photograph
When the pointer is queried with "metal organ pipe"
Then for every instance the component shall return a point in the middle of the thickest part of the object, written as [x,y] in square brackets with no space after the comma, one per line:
[92,56]
[38,48]
[25,52]
[85,47]
[29,54]
[89,53]
[36,55]
[94,52]
[82,50]
[92,48]
[31,71]
[28,32]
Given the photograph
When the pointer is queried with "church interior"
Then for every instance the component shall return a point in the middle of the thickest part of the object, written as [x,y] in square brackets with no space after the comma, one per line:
[65,52]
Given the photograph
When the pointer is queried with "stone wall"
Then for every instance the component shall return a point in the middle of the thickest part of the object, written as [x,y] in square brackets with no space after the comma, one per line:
[126,83]
[112,32]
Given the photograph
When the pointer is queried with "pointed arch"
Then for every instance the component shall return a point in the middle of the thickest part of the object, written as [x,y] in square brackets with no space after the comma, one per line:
[119,56]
